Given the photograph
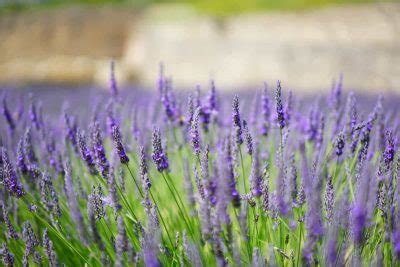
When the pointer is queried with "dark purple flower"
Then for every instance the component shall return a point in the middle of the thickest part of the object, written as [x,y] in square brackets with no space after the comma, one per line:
[49,249]
[118,144]
[98,148]
[143,169]
[33,113]
[237,123]
[7,114]
[194,133]
[329,199]
[8,257]
[11,233]
[10,179]
[255,175]
[279,106]
[390,149]
[229,172]
[85,153]
[266,112]
[28,147]
[31,242]
[159,157]
[248,138]
[48,195]
[96,204]
[339,144]
[21,165]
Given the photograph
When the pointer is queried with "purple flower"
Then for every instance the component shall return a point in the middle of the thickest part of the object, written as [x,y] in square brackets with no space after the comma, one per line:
[159,157]
[28,148]
[248,138]
[8,257]
[49,249]
[255,175]
[143,169]
[266,112]
[118,144]
[96,204]
[389,149]
[98,148]
[237,123]
[85,153]
[21,165]
[339,144]
[7,114]
[11,181]
[229,172]
[33,113]
[194,133]
[70,129]
[329,199]
[279,106]
[11,233]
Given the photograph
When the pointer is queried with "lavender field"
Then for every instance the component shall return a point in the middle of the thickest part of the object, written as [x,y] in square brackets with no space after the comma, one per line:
[169,177]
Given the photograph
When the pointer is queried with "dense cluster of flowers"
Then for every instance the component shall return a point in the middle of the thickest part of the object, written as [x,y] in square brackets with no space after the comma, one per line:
[206,183]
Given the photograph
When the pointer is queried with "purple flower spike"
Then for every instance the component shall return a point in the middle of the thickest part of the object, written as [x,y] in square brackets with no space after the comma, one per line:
[118,144]
[99,152]
[143,169]
[11,181]
[194,132]
[390,149]
[7,114]
[237,123]
[266,112]
[85,153]
[21,164]
[339,144]
[279,106]
[159,158]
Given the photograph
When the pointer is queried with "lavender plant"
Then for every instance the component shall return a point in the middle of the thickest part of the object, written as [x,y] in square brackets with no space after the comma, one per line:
[155,186]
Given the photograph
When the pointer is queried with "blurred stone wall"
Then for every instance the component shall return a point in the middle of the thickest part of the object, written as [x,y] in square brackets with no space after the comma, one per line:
[305,50]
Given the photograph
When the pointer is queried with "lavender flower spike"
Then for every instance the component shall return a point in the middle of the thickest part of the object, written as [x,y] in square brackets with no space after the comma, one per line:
[118,144]
[265,111]
[8,257]
[159,157]
[340,144]
[143,169]
[7,114]
[85,153]
[11,181]
[279,106]
[98,148]
[194,132]
[237,123]
[49,249]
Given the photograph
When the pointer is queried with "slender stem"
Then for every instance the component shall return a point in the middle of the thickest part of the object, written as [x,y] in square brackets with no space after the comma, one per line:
[162,220]
[134,179]
[176,201]
[242,164]
[178,195]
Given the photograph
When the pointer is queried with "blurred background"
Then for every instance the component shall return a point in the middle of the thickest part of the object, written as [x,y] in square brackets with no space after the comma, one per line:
[305,43]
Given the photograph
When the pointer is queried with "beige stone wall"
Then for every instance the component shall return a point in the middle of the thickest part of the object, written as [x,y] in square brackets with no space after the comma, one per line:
[306,50]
